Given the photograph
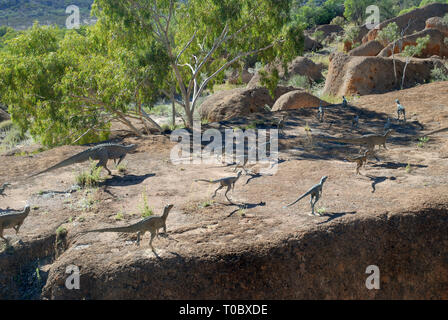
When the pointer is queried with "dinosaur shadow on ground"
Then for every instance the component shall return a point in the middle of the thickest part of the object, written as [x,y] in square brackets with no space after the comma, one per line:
[126,181]
[397,165]
[246,206]
[378,180]
[338,123]
[332,216]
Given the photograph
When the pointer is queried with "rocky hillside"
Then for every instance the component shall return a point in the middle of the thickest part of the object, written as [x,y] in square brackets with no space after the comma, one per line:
[21,14]
[393,215]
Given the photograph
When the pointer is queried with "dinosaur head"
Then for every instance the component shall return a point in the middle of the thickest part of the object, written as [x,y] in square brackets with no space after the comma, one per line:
[323,179]
[167,209]
[131,147]
[27,208]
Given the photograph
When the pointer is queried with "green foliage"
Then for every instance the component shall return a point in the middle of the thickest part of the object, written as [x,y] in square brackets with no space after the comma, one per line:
[439,74]
[299,81]
[445,20]
[270,81]
[422,141]
[146,211]
[11,135]
[68,89]
[389,34]
[90,178]
[339,21]
[61,231]
[203,38]
[351,33]
[119,216]
[316,12]
[355,10]
[319,36]
[411,51]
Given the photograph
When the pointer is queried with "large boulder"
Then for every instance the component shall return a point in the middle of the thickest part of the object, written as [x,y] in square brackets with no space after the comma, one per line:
[297,99]
[238,102]
[348,75]
[299,66]
[437,23]
[312,45]
[435,47]
[412,21]
[371,48]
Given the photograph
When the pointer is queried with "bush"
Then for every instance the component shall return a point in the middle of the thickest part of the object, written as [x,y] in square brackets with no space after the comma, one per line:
[339,21]
[299,81]
[91,178]
[439,74]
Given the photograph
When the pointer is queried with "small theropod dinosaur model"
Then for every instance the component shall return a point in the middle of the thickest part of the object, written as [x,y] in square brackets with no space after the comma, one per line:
[320,113]
[355,121]
[151,224]
[360,160]
[401,111]
[315,192]
[228,182]
[103,153]
[3,188]
[344,102]
[368,140]
[12,219]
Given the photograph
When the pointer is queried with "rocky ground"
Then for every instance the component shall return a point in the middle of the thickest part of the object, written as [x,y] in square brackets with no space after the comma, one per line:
[393,216]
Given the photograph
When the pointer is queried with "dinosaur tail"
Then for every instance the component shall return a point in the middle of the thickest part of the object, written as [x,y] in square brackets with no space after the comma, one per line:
[353,141]
[116,229]
[291,204]
[77,158]
[209,181]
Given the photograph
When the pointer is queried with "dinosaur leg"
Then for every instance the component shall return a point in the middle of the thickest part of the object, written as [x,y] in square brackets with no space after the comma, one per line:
[219,188]
[312,205]
[103,163]
[17,227]
[120,159]
[228,189]
[1,235]
[153,234]
[138,238]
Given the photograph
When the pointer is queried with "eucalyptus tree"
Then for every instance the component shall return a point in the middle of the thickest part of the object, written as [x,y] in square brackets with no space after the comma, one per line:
[202,38]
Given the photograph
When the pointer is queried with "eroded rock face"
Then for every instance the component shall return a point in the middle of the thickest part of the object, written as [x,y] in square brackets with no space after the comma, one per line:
[297,99]
[229,104]
[437,23]
[365,75]
[410,250]
[299,66]
[371,48]
[435,47]
[417,17]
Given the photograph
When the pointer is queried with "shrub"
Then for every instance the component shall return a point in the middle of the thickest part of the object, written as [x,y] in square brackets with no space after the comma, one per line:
[438,74]
[91,178]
